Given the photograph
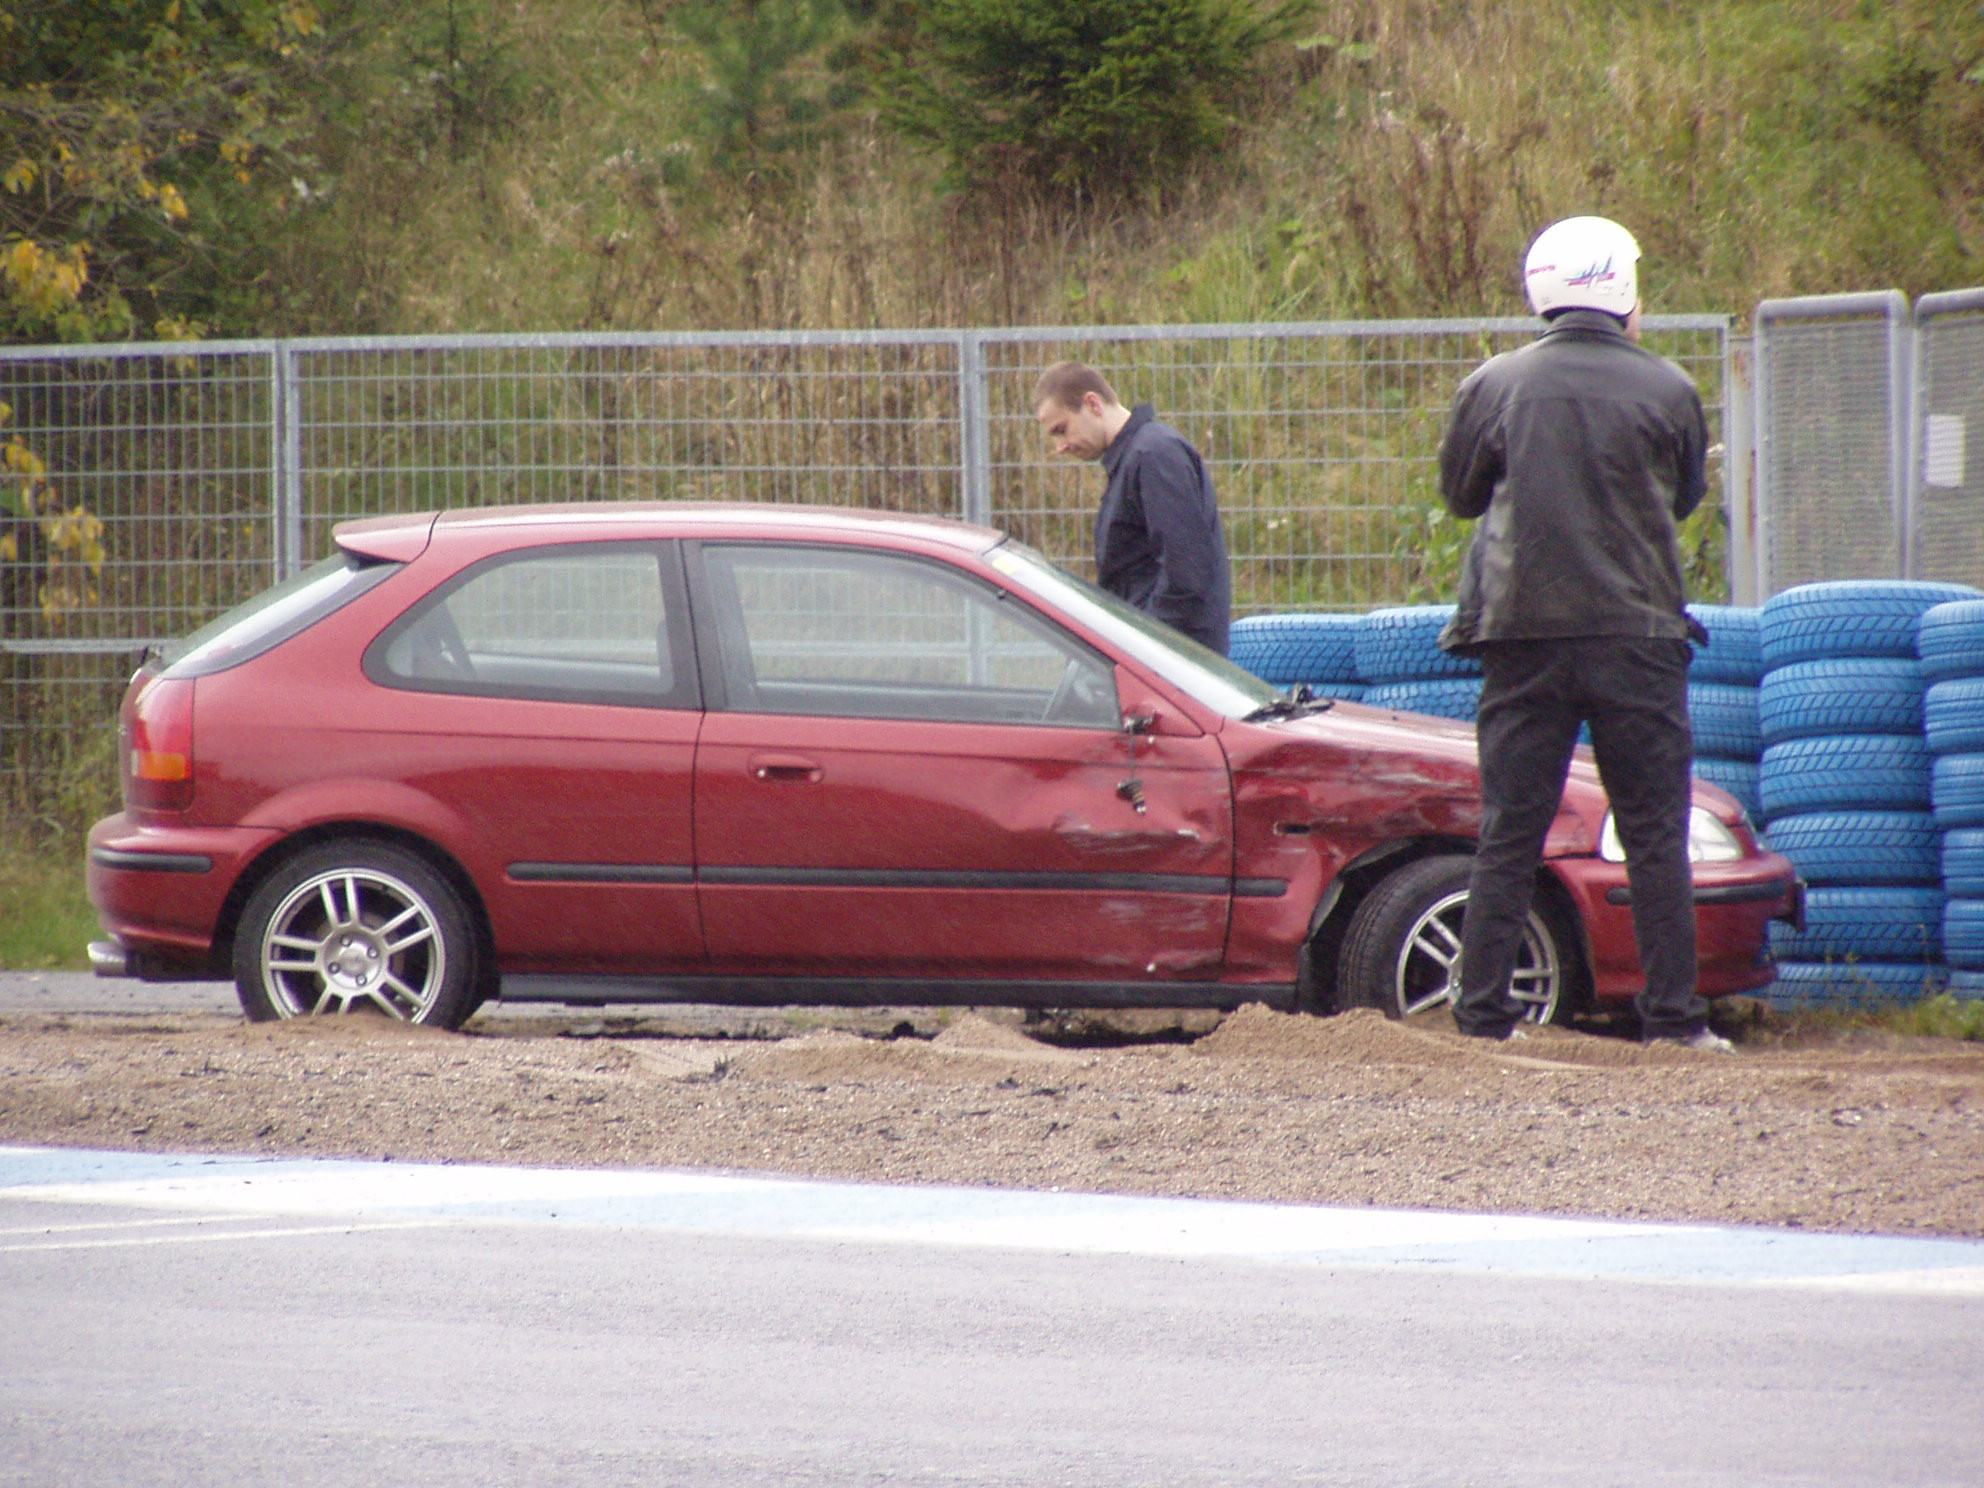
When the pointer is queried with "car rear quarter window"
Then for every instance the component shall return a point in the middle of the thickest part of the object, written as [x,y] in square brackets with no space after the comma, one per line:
[570,622]
[273,616]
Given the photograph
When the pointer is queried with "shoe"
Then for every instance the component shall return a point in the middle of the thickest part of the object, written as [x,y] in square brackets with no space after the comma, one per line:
[1702,1041]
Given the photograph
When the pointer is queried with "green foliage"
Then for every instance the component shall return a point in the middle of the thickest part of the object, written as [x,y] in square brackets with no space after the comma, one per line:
[1081,96]
[130,127]
[46,922]
[766,91]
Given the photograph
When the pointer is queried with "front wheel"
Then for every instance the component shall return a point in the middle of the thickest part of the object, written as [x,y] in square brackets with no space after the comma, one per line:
[1401,952]
[356,925]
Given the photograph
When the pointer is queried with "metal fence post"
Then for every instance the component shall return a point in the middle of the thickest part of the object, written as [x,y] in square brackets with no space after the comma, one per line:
[287,477]
[975,424]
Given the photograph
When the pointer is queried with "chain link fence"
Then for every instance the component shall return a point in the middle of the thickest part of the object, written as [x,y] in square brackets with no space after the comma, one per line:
[216,468]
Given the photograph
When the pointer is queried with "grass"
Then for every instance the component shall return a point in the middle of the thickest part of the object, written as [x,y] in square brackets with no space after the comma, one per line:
[46,922]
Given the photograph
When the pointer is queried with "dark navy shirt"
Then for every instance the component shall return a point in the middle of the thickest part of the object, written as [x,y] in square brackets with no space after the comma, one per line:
[1158,542]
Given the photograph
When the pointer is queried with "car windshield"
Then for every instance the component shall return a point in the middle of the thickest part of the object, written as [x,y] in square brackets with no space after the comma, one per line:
[1204,674]
[271,617]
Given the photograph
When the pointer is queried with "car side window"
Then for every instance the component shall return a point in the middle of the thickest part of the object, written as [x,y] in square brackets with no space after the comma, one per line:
[840,632]
[570,622]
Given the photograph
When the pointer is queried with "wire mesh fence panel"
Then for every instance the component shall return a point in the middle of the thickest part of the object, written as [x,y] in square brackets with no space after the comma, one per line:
[1946,495]
[139,501]
[214,469]
[1831,407]
[1321,439]
[395,427]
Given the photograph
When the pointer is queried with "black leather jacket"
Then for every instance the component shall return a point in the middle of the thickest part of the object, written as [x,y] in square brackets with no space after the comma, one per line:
[1581,452]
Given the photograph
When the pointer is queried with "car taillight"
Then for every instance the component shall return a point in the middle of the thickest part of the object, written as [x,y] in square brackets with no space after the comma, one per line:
[157,729]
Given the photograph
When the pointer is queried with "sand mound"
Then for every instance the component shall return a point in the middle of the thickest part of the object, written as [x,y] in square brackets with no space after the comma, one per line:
[974,1051]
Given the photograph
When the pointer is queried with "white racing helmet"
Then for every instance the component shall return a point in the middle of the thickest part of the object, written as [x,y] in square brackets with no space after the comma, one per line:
[1582,263]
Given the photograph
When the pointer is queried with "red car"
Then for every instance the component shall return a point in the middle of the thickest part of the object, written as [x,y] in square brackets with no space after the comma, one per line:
[654,753]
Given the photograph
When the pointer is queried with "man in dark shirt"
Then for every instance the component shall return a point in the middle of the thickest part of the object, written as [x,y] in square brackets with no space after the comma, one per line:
[1158,543]
[1579,454]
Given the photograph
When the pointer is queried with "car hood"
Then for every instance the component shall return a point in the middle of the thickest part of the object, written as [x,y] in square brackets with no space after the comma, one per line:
[1394,774]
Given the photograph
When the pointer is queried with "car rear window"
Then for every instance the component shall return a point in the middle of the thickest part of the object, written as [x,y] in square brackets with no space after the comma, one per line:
[273,616]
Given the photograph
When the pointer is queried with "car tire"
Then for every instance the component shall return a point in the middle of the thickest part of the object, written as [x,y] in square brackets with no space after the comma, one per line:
[1850,617]
[1860,695]
[1849,923]
[1401,950]
[1723,717]
[1287,649]
[1950,642]
[1963,863]
[1953,716]
[1734,653]
[1737,776]
[1402,644]
[1849,983]
[354,924]
[1861,847]
[1956,785]
[1848,772]
[1458,698]
[1963,934]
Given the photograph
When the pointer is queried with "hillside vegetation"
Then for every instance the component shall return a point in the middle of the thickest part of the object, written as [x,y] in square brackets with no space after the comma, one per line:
[470,165]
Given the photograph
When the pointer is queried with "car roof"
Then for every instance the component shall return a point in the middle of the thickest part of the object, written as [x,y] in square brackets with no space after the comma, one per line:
[394,535]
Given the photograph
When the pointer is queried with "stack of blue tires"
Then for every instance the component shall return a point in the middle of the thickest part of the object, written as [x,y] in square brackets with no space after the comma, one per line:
[1844,784]
[1403,667]
[1722,700]
[1314,651]
[1950,646]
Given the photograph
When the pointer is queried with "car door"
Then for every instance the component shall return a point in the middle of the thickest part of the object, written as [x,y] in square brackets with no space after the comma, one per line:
[549,700]
[912,773]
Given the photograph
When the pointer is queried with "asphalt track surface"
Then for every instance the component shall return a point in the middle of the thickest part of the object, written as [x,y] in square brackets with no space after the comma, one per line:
[208,1320]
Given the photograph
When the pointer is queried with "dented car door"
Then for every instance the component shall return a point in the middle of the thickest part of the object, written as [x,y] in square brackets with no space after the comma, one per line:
[913,774]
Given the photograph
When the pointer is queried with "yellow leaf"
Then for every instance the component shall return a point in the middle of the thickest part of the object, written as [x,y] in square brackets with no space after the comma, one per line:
[10,549]
[20,177]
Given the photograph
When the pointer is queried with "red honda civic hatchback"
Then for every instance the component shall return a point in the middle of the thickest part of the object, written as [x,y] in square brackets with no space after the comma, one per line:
[774,755]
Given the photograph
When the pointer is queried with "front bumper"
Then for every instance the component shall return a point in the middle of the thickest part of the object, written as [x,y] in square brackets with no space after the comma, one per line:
[1734,906]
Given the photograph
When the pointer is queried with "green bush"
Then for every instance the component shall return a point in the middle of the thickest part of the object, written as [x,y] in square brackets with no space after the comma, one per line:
[1080,96]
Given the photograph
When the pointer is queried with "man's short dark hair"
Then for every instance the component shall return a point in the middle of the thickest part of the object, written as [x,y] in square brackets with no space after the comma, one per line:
[1067,383]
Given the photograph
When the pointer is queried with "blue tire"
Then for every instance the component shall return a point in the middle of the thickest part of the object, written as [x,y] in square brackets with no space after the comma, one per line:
[1735,652]
[1956,787]
[1963,934]
[1860,695]
[1738,777]
[1953,716]
[1865,924]
[1403,645]
[1285,649]
[1850,984]
[1350,692]
[1963,863]
[1850,617]
[1966,986]
[1950,640]
[1725,719]
[1452,697]
[1870,848]
[1848,772]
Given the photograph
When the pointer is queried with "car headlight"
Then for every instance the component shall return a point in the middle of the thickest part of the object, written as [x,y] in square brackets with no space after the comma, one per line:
[1709,839]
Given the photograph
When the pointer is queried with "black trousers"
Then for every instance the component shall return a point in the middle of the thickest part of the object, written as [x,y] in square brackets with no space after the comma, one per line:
[1535,694]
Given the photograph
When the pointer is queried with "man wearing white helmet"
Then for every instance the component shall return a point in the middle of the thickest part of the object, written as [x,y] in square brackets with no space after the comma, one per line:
[1580,453]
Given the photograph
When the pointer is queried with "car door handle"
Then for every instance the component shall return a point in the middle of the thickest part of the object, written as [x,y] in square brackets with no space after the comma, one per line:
[784,768]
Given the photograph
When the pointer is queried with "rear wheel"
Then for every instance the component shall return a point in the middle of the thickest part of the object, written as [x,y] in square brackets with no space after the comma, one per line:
[1401,952]
[356,925]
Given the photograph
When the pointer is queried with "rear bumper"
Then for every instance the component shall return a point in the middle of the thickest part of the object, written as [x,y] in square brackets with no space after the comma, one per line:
[161,892]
